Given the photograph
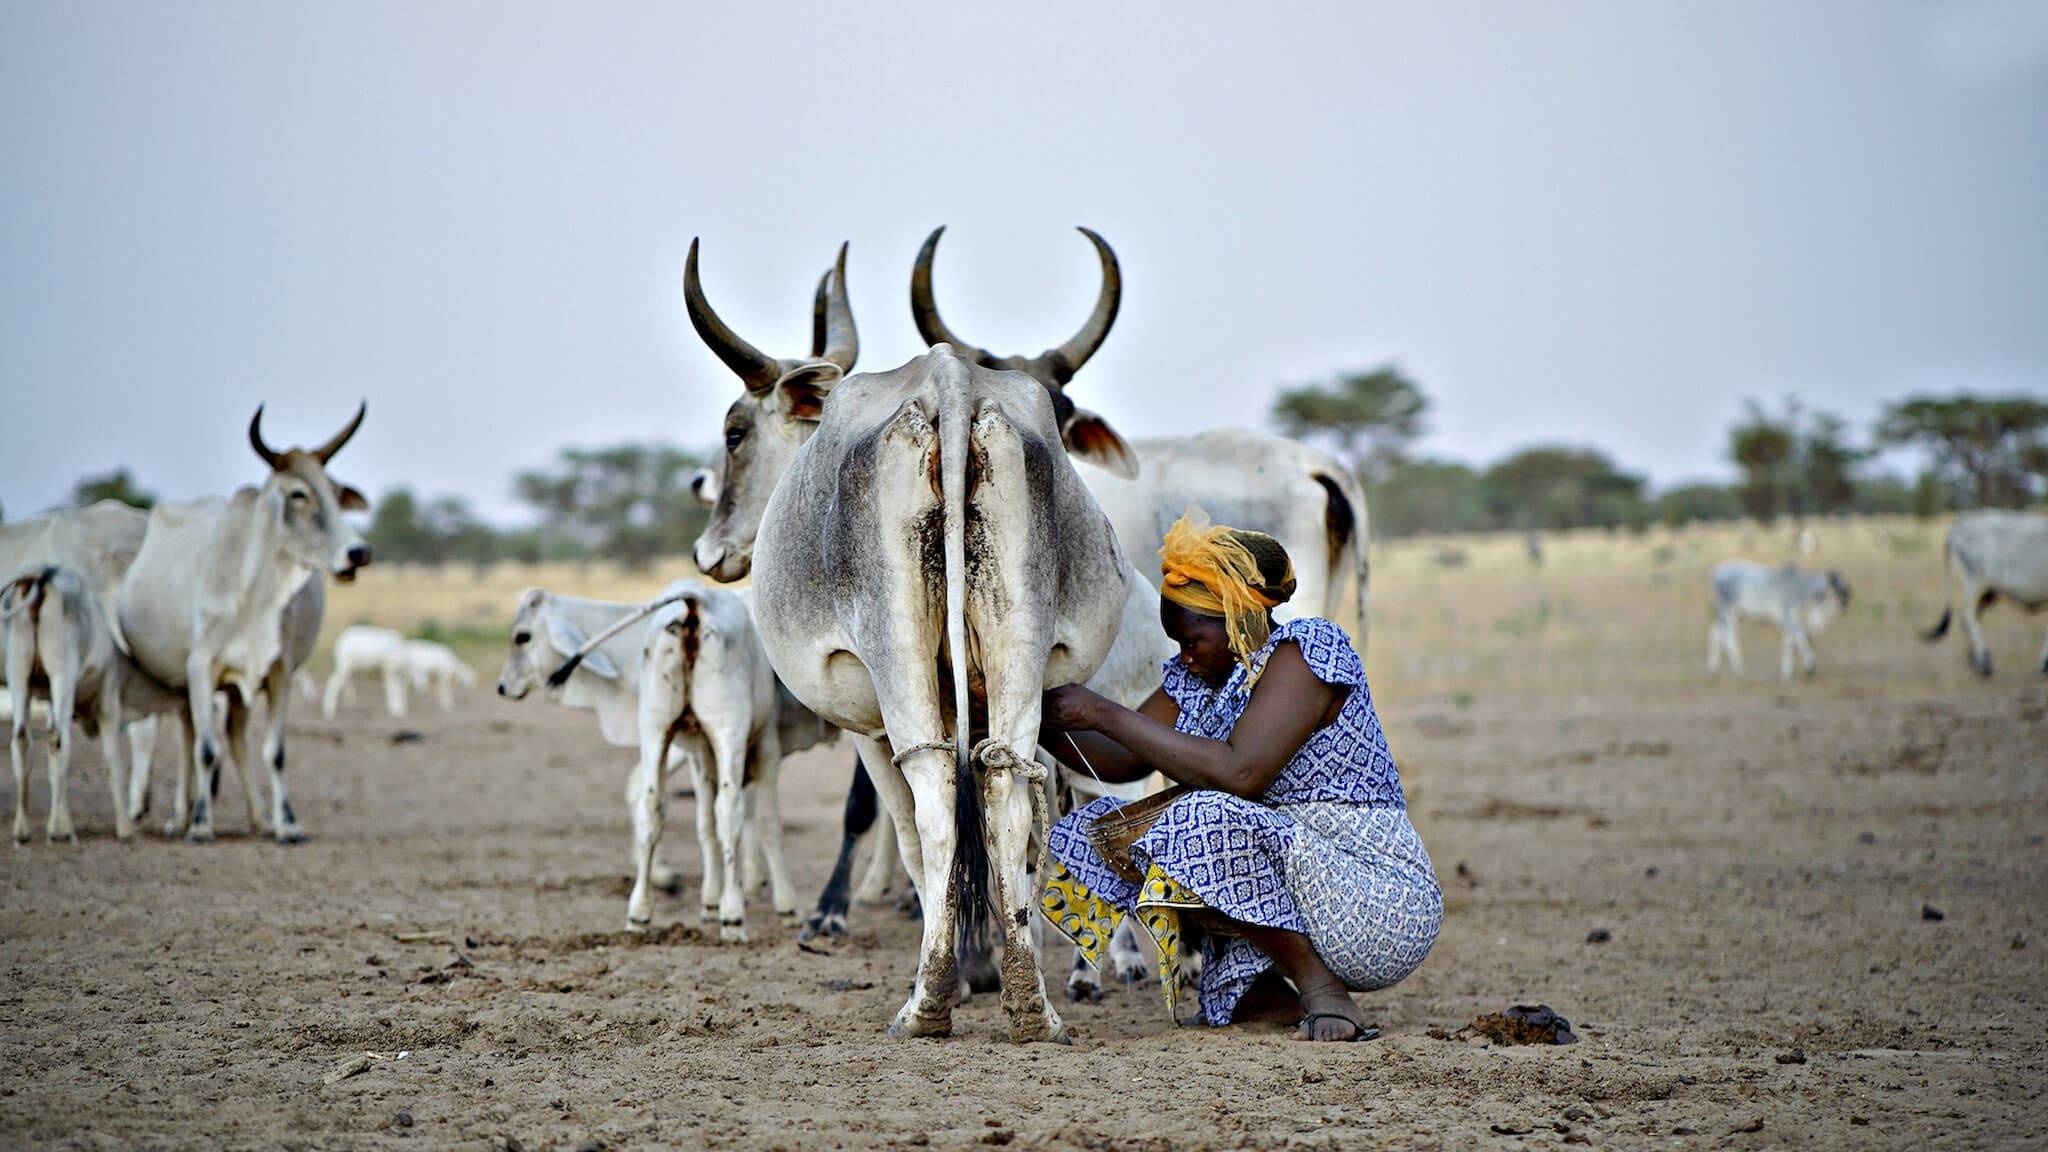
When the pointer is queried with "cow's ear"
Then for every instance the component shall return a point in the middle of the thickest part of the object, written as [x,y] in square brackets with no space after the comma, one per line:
[350,499]
[566,638]
[802,391]
[1090,438]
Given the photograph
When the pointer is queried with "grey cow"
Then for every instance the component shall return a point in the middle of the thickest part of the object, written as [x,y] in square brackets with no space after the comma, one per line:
[1798,602]
[1993,555]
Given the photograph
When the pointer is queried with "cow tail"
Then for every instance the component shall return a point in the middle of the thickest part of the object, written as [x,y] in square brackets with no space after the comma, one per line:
[1948,595]
[25,593]
[1344,531]
[560,676]
[973,893]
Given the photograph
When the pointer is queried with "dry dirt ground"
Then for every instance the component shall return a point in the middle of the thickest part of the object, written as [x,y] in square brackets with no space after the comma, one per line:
[1760,858]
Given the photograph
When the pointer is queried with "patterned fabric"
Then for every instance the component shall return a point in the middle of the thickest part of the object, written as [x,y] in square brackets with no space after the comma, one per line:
[1345,761]
[1327,852]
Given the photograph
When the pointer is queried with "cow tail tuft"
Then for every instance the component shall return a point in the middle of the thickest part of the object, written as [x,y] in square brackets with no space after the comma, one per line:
[1948,594]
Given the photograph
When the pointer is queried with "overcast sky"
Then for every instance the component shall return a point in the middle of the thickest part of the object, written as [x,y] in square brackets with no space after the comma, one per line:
[1586,223]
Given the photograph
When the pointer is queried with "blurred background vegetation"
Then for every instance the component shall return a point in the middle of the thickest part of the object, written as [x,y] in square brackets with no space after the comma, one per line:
[631,503]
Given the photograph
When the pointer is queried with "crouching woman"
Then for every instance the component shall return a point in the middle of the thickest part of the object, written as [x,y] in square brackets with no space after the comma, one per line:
[1288,844]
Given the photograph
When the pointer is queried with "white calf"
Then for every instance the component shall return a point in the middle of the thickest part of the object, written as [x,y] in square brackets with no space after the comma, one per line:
[595,655]
[1797,602]
[435,666]
[61,651]
[363,648]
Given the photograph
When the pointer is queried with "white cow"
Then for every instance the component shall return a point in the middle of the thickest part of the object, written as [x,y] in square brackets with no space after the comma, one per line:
[1994,554]
[1798,602]
[1301,496]
[61,650]
[367,649]
[678,707]
[434,666]
[203,605]
[866,598]
[98,542]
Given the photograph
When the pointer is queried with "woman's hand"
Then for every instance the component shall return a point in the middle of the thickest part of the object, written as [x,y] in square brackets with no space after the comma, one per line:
[1073,708]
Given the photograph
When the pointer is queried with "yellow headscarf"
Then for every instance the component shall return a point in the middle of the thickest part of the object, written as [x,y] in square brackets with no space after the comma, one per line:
[1229,572]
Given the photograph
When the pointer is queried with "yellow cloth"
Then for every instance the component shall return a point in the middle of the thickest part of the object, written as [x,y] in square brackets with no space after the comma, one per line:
[1090,922]
[1206,569]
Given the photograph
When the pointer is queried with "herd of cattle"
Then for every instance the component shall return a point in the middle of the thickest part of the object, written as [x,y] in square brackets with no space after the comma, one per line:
[929,548]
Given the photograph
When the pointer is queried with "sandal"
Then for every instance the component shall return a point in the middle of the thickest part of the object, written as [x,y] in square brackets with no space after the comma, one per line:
[1361,1032]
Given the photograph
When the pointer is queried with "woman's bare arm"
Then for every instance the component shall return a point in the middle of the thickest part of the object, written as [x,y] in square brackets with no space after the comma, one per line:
[1112,762]
[1287,706]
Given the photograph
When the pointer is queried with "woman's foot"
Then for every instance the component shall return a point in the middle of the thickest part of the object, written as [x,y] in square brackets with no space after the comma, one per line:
[1329,1015]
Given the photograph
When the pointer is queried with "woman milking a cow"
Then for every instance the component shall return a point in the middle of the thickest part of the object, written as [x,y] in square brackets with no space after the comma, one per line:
[1286,847]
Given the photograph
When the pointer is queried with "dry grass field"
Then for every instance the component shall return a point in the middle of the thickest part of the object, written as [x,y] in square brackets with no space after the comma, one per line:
[1824,907]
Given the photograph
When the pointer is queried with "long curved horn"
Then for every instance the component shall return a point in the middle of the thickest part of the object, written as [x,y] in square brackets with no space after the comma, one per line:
[1083,344]
[833,332]
[326,451]
[924,309]
[256,440]
[818,304]
[755,369]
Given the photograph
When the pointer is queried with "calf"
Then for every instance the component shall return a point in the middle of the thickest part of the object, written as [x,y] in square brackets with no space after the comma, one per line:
[431,665]
[60,650]
[1798,602]
[365,648]
[679,679]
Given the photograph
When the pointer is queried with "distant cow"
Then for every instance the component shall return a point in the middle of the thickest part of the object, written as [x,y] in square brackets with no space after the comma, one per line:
[432,665]
[60,650]
[1798,602]
[203,606]
[1994,554]
[366,648]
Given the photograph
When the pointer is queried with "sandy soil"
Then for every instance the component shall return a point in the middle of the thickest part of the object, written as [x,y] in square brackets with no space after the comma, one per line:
[1761,860]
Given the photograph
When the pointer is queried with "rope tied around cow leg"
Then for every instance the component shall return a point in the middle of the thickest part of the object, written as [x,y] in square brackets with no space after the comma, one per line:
[997,756]
[914,749]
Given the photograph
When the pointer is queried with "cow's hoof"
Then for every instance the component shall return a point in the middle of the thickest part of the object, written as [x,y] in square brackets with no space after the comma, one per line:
[732,931]
[708,914]
[199,836]
[830,925]
[1081,993]
[21,835]
[1134,974]
[910,1026]
[638,926]
[171,829]
[1036,1029]
[789,919]
[291,834]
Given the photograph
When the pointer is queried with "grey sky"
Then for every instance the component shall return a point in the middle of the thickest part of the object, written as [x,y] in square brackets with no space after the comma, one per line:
[1601,223]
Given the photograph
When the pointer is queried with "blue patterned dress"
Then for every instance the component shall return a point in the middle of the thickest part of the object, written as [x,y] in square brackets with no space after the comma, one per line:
[1327,851]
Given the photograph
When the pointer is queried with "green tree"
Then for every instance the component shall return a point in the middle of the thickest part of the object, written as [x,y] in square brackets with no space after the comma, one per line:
[1370,417]
[1996,447]
[396,533]
[1420,496]
[1551,487]
[1765,449]
[1687,503]
[629,502]
[1825,469]
[115,485]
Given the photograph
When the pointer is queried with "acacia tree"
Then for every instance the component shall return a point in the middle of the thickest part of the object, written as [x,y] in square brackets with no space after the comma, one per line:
[1996,447]
[114,485]
[1763,448]
[628,502]
[1369,417]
